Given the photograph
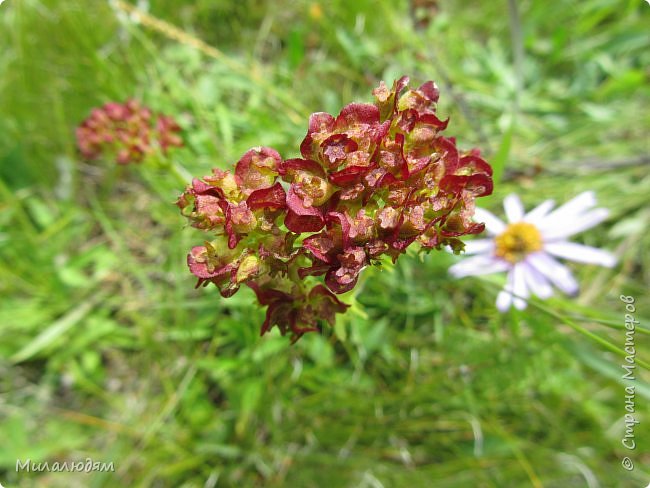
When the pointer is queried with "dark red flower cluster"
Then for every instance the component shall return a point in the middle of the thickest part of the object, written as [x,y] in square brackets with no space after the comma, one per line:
[371,181]
[126,132]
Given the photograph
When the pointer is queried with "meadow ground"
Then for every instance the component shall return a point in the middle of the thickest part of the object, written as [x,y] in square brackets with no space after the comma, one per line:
[108,352]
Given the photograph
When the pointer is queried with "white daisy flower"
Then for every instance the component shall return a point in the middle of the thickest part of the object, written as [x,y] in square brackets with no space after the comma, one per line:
[528,245]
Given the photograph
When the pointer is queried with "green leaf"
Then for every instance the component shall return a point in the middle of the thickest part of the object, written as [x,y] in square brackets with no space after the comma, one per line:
[500,159]
[55,330]
[250,398]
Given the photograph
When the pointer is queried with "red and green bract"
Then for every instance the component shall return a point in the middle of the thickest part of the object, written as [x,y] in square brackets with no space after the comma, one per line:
[371,181]
[127,132]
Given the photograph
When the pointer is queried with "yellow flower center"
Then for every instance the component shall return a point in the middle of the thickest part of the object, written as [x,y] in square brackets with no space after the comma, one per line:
[517,241]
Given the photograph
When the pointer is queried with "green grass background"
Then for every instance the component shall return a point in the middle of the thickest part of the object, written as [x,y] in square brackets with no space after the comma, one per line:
[107,351]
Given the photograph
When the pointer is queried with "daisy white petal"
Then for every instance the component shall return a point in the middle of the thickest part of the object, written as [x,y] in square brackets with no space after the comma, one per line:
[581,253]
[493,225]
[504,298]
[519,286]
[513,207]
[525,247]
[537,283]
[555,272]
[566,227]
[539,212]
[575,206]
[478,265]
[515,290]
[479,246]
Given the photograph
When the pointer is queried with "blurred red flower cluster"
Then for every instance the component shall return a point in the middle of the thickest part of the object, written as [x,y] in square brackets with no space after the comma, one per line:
[127,132]
[371,181]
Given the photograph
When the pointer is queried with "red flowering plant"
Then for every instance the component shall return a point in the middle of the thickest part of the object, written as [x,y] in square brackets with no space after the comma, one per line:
[127,132]
[371,182]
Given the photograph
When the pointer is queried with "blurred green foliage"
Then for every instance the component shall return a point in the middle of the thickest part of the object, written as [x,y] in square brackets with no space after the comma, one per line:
[107,351]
